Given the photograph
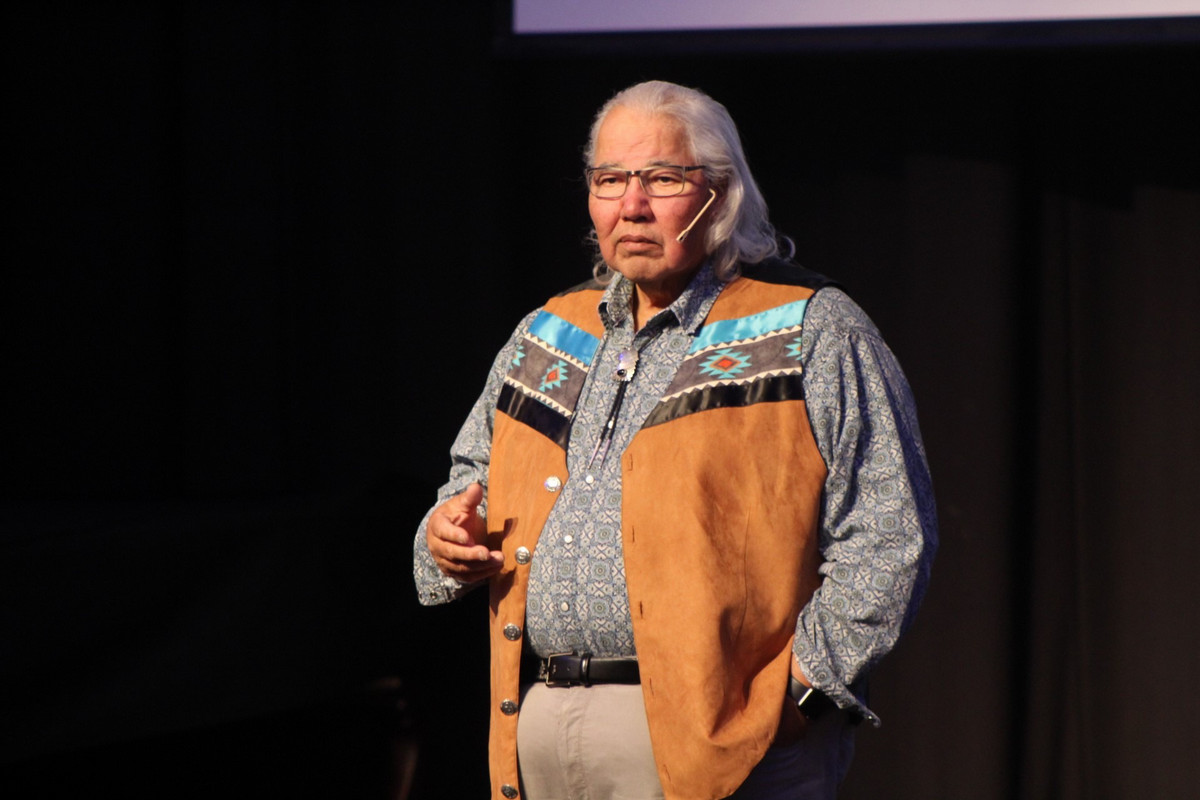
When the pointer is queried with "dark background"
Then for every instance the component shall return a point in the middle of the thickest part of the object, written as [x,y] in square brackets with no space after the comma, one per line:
[259,257]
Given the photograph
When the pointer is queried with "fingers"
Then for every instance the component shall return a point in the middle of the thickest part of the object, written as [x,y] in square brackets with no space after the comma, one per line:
[449,542]
[456,536]
[466,565]
[457,520]
[442,527]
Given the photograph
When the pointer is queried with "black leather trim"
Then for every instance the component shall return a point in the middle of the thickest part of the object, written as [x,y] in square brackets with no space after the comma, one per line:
[766,390]
[534,413]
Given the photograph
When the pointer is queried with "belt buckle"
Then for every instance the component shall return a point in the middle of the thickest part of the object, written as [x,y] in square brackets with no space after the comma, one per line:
[557,675]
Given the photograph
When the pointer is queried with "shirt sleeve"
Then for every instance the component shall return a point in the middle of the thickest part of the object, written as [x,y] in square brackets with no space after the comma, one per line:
[469,459]
[878,526]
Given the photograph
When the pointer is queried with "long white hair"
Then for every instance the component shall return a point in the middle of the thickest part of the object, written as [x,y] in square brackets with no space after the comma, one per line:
[740,232]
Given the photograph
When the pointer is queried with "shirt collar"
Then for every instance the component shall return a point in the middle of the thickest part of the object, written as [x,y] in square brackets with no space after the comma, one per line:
[689,309]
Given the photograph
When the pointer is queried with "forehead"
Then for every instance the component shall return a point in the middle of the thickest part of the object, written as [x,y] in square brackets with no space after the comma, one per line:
[631,138]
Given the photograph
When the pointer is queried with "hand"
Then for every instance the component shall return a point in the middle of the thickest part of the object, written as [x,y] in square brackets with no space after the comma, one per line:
[793,726]
[457,538]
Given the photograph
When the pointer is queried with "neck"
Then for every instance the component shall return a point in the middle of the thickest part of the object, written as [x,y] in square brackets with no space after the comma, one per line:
[651,298]
[646,304]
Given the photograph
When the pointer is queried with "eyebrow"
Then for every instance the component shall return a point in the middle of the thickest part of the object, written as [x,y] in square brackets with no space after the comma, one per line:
[658,162]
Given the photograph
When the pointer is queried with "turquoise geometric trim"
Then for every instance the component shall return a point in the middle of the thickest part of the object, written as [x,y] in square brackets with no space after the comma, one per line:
[726,363]
[793,349]
[562,335]
[733,330]
[555,376]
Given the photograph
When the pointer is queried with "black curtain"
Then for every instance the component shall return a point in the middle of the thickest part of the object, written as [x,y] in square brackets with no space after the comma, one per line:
[258,264]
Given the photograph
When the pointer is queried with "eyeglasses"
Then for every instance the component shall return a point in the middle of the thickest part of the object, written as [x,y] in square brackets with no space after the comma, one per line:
[666,180]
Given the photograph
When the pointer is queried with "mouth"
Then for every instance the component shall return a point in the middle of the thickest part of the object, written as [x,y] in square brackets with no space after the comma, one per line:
[634,241]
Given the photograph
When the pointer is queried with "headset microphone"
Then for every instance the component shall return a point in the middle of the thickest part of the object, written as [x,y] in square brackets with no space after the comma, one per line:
[684,233]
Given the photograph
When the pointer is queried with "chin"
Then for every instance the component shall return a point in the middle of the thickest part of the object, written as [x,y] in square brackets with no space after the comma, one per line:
[638,275]
[632,266]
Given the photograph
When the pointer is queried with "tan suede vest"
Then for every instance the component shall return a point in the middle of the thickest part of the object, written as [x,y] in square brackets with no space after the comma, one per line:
[721,494]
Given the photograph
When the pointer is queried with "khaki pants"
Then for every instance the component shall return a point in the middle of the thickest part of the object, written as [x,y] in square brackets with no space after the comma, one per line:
[592,743]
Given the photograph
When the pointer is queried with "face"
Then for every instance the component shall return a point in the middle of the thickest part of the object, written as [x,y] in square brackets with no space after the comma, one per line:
[637,233]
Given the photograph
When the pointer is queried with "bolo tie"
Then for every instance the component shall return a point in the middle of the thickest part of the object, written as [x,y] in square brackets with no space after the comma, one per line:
[627,362]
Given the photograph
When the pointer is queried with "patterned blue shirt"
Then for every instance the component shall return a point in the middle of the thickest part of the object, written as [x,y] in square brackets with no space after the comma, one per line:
[878,527]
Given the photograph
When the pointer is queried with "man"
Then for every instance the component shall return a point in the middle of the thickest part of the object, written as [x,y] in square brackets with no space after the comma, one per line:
[695,488]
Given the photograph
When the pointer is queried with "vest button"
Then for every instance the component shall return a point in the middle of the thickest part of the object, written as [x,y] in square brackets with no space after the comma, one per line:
[523,555]
[508,708]
[512,632]
[553,483]
[509,791]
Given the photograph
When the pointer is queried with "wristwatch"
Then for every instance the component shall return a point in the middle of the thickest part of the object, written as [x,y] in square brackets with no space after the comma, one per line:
[811,702]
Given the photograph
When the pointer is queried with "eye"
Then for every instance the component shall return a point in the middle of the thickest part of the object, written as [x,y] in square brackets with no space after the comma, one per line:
[665,178]
[609,178]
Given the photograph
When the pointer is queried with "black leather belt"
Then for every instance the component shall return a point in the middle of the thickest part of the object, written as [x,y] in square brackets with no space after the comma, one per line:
[582,669]
[814,703]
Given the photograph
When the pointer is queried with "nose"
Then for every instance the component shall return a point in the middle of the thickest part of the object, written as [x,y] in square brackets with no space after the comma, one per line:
[635,203]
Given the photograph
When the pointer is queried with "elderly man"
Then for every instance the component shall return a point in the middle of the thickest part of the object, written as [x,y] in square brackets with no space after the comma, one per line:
[695,489]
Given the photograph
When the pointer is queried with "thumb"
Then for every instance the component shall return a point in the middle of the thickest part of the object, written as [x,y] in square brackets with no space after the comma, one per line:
[464,507]
[470,497]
